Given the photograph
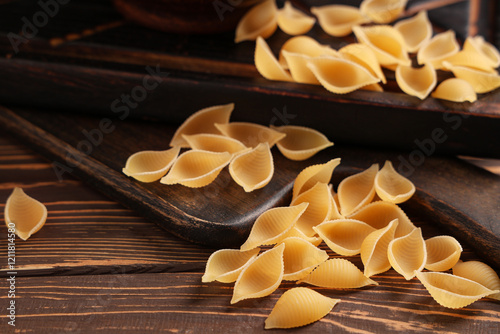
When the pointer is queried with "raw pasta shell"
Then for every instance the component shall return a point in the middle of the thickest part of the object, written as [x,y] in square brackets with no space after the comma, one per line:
[335,214]
[253,169]
[470,56]
[357,190]
[214,143]
[416,31]
[453,291]
[373,87]
[482,82]
[487,49]
[338,20]
[260,21]
[196,168]
[339,75]
[456,90]
[271,226]
[338,274]
[306,46]
[24,214]
[301,142]
[267,65]
[479,272]
[300,258]
[225,265]
[374,249]
[294,22]
[364,56]
[311,175]
[417,82]
[392,186]
[297,64]
[261,276]
[407,254]
[150,166]
[344,236]
[382,11]
[299,307]
[294,232]
[437,49]
[443,252]
[250,134]
[202,121]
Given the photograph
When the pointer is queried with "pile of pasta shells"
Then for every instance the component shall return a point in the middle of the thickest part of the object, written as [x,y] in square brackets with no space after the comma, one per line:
[379,45]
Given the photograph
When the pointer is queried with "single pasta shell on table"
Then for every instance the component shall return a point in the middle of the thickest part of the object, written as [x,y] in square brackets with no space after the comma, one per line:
[261,20]
[300,258]
[306,46]
[253,169]
[417,82]
[225,265]
[392,186]
[339,75]
[196,168]
[382,11]
[416,31]
[479,272]
[364,56]
[311,175]
[456,90]
[297,65]
[386,42]
[150,166]
[250,134]
[374,249]
[295,232]
[344,236]
[379,214]
[214,143]
[482,82]
[299,307]
[438,48]
[202,121]
[267,64]
[443,252]
[301,142]
[453,291]
[357,190]
[24,214]
[294,22]
[338,274]
[272,225]
[338,20]
[487,49]
[407,254]
[261,276]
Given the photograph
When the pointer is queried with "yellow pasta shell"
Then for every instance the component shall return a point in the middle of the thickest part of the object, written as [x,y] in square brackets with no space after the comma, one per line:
[296,233]
[407,254]
[261,20]
[250,134]
[294,22]
[214,143]
[150,166]
[488,49]
[297,64]
[392,186]
[382,11]
[24,214]
[456,90]
[417,82]
[267,65]
[335,214]
[253,169]
[300,258]
[299,307]
[225,265]
[416,31]
[471,56]
[453,291]
[311,175]
[373,87]
[306,46]
[443,252]
[374,250]
[301,142]
[338,20]
[437,49]
[482,82]
[479,272]
[364,56]
[357,190]
[261,276]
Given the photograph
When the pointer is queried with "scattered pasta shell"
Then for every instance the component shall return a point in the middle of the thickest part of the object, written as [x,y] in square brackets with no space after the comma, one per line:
[294,22]
[267,65]
[225,265]
[382,11]
[470,56]
[296,233]
[338,20]
[456,90]
[374,249]
[299,307]
[253,169]
[214,143]
[453,291]
[417,82]
[407,254]
[479,272]
[364,56]
[297,64]
[24,214]
[261,276]
[438,48]
[202,121]
[392,186]
[260,21]
[443,252]
[339,75]
[272,225]
[357,190]
[150,166]
[300,258]
[250,134]
[416,31]
[344,236]
[335,214]
[482,82]
[338,274]
[301,142]
[373,87]
[306,46]
[311,175]
[196,168]
[386,42]
[487,49]
[319,208]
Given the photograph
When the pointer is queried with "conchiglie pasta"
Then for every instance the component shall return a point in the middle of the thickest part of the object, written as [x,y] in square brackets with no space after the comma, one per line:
[214,143]
[296,233]
[408,254]
[417,82]
[250,134]
[382,11]
[311,175]
[300,258]
[456,90]
[487,49]
[297,64]
[482,82]
[301,142]
[416,31]
[479,272]
[470,57]
[253,169]
[364,56]
[391,186]
[306,46]
[261,20]
[150,166]
[443,252]
[374,249]
[267,65]
[437,49]
[225,265]
[357,190]
[294,22]
[338,20]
